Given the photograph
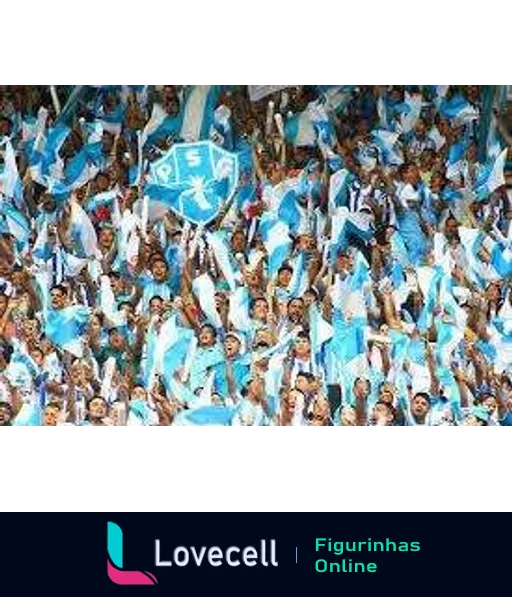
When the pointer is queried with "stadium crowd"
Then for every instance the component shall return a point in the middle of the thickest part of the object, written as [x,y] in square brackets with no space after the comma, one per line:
[358,273]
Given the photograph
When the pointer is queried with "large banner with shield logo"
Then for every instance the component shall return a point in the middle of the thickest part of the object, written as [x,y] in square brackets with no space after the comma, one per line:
[195,180]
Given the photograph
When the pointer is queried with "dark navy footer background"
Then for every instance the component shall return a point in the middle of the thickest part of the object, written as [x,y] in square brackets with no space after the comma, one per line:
[67,553]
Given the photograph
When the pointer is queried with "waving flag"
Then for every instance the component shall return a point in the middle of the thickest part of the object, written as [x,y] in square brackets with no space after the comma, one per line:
[12,187]
[161,125]
[492,177]
[223,257]
[300,280]
[174,343]
[66,327]
[428,280]
[448,338]
[349,347]
[339,186]
[387,145]
[273,380]
[239,310]
[30,415]
[454,163]
[204,289]
[83,231]
[300,131]
[140,414]
[199,106]
[275,236]
[414,103]
[79,171]
[219,416]
[320,332]
[13,222]
[194,180]
[458,108]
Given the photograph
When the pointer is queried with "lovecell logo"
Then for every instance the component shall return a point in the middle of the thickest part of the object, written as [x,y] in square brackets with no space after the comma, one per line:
[264,554]
[115,561]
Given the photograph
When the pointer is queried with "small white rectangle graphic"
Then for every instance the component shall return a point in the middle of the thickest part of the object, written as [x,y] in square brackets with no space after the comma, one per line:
[432,493]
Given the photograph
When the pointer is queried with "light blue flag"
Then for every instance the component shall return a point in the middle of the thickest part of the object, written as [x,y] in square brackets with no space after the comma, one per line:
[78,171]
[182,393]
[176,351]
[54,140]
[149,365]
[387,145]
[488,92]
[239,310]
[399,250]
[100,200]
[12,187]
[429,280]
[299,281]
[30,415]
[204,289]
[44,153]
[140,413]
[222,253]
[162,125]
[320,332]
[13,222]
[194,180]
[448,338]
[491,177]
[277,241]
[288,210]
[501,260]
[198,111]
[339,188]
[361,274]
[326,134]
[417,352]
[400,348]
[349,349]
[204,361]
[300,131]
[458,108]
[21,357]
[42,249]
[83,232]
[454,162]
[65,327]
[206,416]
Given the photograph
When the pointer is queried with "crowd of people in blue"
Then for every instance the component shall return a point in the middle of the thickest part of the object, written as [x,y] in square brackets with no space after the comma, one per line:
[255,255]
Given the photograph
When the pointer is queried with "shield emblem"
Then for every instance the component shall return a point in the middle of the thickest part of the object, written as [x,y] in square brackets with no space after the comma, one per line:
[195,180]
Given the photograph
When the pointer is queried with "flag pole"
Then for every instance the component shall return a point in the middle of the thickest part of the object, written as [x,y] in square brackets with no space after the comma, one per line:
[55,99]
